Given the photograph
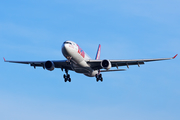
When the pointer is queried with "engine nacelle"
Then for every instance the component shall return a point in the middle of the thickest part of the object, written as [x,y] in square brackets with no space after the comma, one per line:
[49,65]
[106,64]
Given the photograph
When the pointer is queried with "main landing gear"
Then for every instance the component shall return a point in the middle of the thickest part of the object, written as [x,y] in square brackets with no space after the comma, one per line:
[67,76]
[99,77]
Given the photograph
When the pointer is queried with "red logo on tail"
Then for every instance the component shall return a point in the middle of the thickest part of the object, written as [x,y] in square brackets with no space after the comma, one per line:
[4,59]
[98,53]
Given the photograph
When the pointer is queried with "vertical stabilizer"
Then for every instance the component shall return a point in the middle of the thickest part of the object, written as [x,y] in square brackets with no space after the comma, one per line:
[98,53]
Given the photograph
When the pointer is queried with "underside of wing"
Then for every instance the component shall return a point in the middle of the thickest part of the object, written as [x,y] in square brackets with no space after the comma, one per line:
[112,70]
[98,64]
[63,64]
[114,63]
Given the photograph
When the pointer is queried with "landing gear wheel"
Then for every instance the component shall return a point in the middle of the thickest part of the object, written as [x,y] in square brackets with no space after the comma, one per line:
[99,77]
[65,80]
[96,76]
[69,79]
[66,76]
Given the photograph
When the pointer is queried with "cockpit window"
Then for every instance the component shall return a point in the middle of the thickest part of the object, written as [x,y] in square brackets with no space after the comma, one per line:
[67,43]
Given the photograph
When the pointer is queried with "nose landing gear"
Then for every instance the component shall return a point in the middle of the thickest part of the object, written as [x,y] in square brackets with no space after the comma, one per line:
[99,77]
[66,76]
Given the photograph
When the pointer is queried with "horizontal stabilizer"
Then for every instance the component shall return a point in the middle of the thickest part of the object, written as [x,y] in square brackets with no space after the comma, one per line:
[113,70]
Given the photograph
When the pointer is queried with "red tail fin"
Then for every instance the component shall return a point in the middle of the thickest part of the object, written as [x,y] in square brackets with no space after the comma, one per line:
[4,59]
[98,53]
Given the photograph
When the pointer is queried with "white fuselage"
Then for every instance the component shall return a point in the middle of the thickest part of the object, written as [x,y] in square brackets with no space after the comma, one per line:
[77,57]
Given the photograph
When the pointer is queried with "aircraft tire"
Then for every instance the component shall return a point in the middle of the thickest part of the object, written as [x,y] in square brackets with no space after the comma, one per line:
[100,75]
[96,76]
[68,76]
[69,79]
[65,80]
[64,76]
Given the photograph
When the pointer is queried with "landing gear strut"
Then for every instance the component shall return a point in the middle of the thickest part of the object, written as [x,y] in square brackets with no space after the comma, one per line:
[66,76]
[99,77]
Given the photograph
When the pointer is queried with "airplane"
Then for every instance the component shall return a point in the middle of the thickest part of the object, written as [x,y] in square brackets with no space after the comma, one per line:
[80,62]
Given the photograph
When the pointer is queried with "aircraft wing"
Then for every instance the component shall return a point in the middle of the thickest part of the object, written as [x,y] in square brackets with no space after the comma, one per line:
[96,64]
[64,64]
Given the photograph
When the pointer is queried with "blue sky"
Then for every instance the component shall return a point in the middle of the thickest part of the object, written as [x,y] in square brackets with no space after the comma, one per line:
[36,29]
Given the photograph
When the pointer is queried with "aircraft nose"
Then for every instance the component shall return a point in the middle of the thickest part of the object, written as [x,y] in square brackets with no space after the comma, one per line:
[65,49]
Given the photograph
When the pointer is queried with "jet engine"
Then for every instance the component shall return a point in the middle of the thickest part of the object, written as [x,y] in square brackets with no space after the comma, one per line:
[49,65]
[106,64]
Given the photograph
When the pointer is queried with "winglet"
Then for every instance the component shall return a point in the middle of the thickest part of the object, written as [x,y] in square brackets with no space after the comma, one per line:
[4,59]
[175,56]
